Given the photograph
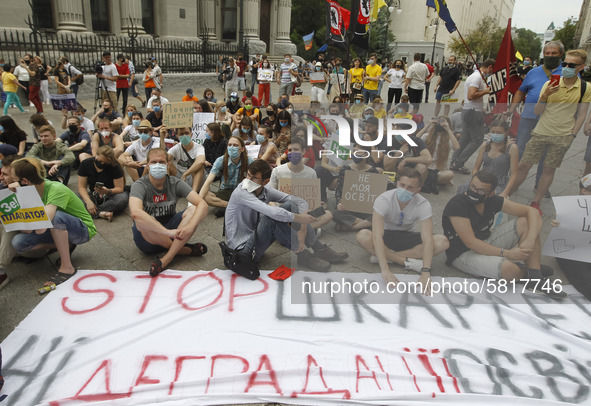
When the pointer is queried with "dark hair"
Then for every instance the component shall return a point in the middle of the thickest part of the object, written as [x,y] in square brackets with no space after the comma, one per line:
[404,106]
[416,57]
[487,63]
[373,55]
[7,67]
[499,123]
[38,120]
[283,115]
[11,130]
[205,106]
[262,167]
[247,122]
[137,113]
[268,131]
[106,53]
[411,173]
[299,141]
[120,56]
[207,91]
[9,159]
[243,161]
[488,178]
[216,130]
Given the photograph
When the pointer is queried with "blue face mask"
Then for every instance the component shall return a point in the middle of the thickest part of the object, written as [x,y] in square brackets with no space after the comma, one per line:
[129,114]
[233,151]
[185,139]
[568,72]
[158,171]
[357,101]
[496,138]
[283,124]
[526,63]
[245,130]
[136,123]
[367,116]
[157,108]
[223,109]
[1,128]
[404,195]
[145,137]
[261,138]
[207,136]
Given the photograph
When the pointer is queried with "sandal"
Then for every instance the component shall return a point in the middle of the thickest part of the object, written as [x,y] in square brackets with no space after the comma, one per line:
[156,267]
[58,262]
[60,277]
[198,249]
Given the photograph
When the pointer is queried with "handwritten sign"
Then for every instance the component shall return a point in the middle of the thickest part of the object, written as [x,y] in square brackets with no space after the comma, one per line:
[361,189]
[177,115]
[265,75]
[253,150]
[23,210]
[307,189]
[64,101]
[299,99]
[200,121]
[317,77]
[572,239]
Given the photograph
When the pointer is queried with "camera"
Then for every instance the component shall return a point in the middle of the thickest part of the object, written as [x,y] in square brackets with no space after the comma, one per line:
[228,71]
[98,67]
[149,65]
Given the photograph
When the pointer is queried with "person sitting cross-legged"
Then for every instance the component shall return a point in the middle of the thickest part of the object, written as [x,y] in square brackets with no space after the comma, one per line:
[393,237]
[476,250]
[157,225]
[56,157]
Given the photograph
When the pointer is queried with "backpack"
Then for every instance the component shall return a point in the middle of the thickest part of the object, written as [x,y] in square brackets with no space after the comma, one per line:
[78,79]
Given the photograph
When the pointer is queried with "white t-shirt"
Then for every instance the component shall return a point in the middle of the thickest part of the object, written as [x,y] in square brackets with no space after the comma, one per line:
[87,125]
[140,151]
[283,171]
[110,71]
[163,100]
[180,159]
[21,74]
[131,131]
[417,209]
[418,73]
[396,78]
[434,162]
[474,80]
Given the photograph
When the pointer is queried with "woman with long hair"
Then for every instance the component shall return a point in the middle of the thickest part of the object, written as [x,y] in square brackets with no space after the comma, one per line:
[11,134]
[271,118]
[61,78]
[395,78]
[356,77]
[129,110]
[440,140]
[37,121]
[282,131]
[245,130]
[215,144]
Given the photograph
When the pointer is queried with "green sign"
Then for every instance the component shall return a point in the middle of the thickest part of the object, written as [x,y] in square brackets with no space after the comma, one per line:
[10,204]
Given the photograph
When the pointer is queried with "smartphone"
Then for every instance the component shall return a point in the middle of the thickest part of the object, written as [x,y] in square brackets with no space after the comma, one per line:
[99,185]
[555,80]
[317,212]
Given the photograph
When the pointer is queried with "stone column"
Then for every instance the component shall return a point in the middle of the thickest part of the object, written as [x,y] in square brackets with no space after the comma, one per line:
[283,43]
[131,9]
[70,15]
[207,19]
[252,22]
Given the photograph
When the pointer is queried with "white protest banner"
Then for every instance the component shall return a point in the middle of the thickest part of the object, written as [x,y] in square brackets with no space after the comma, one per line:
[200,121]
[307,189]
[177,115]
[317,77]
[360,190]
[253,150]
[64,101]
[572,239]
[212,337]
[23,210]
[265,75]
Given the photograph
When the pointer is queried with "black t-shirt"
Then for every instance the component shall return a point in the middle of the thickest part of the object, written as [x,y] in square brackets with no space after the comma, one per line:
[462,206]
[449,77]
[232,107]
[13,138]
[154,120]
[106,176]
[112,115]
[413,151]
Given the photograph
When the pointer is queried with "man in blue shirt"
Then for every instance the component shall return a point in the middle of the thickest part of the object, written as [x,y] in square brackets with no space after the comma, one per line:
[530,89]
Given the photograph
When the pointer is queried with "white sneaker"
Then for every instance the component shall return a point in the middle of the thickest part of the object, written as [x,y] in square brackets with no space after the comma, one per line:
[413,264]
[374,260]
[318,232]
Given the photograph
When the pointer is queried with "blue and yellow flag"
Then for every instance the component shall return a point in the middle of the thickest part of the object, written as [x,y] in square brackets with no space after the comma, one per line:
[308,39]
[443,11]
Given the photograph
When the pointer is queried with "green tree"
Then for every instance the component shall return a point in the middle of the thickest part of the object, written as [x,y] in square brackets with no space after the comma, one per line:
[527,43]
[484,41]
[378,34]
[566,34]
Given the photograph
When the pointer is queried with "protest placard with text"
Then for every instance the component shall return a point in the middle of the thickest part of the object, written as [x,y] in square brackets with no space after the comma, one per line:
[64,101]
[23,210]
[360,190]
[307,189]
[200,121]
[265,75]
[177,115]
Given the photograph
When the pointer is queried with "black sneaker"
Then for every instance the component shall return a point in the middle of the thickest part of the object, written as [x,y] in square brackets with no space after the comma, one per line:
[220,212]
[306,259]
[329,255]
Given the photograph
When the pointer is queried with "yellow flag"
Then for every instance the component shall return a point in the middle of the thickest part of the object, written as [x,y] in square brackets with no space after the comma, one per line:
[518,56]
[376,5]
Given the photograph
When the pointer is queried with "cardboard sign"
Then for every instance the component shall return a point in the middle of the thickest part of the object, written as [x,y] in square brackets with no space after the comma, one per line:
[307,189]
[177,115]
[23,210]
[299,99]
[253,151]
[200,121]
[265,75]
[317,77]
[572,239]
[64,101]
[361,189]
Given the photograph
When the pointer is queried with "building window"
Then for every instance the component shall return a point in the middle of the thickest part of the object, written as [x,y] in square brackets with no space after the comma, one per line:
[148,16]
[99,10]
[229,20]
[43,12]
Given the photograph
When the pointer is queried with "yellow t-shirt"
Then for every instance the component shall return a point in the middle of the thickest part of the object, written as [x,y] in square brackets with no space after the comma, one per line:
[373,72]
[380,113]
[8,82]
[407,115]
[356,75]
[558,117]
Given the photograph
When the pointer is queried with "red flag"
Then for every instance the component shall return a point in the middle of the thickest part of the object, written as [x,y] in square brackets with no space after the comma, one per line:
[346,17]
[505,80]
[364,7]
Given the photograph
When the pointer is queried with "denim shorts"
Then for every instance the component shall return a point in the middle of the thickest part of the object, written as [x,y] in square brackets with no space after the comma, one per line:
[149,248]
[77,233]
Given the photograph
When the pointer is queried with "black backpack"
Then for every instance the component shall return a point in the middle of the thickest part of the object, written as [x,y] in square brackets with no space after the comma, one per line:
[79,78]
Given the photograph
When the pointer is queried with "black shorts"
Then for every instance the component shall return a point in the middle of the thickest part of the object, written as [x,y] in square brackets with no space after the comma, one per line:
[399,240]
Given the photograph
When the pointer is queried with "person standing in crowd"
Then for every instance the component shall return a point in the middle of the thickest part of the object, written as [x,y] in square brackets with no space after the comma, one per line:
[287,71]
[231,79]
[414,84]
[101,185]
[428,80]
[318,92]
[133,82]
[56,157]
[109,79]
[74,74]
[22,74]
[254,69]
[157,226]
[10,85]
[151,80]
[44,81]
[527,66]
[77,141]
[11,134]
[373,72]
[448,82]
[475,89]
[72,225]
[243,68]
[356,77]
[35,71]
[265,85]
[562,108]
[122,84]
[395,77]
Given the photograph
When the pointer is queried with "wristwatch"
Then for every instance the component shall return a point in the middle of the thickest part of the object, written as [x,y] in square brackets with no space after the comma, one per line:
[574,135]
[426,270]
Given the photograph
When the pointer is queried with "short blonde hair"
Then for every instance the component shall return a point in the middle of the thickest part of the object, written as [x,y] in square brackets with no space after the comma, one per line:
[47,128]
[580,53]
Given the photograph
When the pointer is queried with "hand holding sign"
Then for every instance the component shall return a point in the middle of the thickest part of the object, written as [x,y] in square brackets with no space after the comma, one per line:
[360,190]
[23,210]
[178,115]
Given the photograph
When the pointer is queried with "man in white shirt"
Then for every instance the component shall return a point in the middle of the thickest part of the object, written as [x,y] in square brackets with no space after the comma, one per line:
[188,158]
[73,73]
[156,93]
[139,150]
[414,85]
[109,79]
[475,89]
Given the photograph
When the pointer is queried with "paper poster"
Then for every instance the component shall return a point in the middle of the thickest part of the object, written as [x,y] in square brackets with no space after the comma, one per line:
[307,189]
[265,75]
[200,121]
[177,115]
[253,150]
[300,99]
[23,210]
[361,189]
[572,239]
[340,154]
[64,101]
[317,77]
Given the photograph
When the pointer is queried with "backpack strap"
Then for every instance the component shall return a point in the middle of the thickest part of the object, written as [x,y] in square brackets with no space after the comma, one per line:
[583,89]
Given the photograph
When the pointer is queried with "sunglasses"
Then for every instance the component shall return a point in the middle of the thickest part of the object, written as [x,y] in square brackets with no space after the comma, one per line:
[570,65]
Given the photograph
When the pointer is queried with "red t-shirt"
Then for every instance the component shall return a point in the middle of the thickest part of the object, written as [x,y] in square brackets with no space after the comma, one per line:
[122,70]
[431,70]
[242,64]
[255,101]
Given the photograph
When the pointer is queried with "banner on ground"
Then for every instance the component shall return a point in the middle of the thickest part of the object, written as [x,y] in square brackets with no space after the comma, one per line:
[64,101]
[307,189]
[203,338]
[360,190]
[177,115]
[200,121]
[572,238]
[23,210]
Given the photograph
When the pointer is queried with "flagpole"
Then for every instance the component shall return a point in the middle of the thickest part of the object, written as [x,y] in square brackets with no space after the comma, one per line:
[472,56]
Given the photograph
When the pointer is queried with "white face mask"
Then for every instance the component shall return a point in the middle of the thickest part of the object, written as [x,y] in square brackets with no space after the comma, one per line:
[249,185]
[105,133]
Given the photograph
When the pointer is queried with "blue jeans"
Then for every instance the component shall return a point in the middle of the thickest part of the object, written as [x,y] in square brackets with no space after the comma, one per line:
[369,95]
[526,126]
[270,230]
[77,233]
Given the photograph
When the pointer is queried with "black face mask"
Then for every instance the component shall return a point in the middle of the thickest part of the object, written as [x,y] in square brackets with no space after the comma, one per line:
[270,113]
[73,129]
[475,197]
[551,62]
[356,159]
[99,164]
